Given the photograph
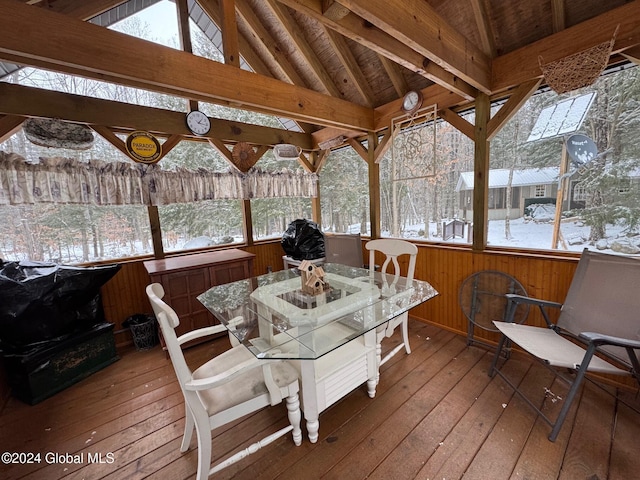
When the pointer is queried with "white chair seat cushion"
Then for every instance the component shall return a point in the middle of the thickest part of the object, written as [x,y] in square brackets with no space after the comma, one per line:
[554,349]
[242,388]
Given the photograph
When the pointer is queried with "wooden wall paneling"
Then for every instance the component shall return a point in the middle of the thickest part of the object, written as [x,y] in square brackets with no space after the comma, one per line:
[123,296]
[267,255]
[444,267]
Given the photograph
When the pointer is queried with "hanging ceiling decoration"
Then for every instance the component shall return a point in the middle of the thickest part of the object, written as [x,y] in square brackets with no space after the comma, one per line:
[578,70]
[56,133]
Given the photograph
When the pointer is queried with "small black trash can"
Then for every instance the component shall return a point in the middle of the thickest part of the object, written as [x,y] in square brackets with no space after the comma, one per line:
[144,330]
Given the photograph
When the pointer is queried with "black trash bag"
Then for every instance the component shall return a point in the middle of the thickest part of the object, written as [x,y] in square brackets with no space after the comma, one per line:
[41,302]
[303,240]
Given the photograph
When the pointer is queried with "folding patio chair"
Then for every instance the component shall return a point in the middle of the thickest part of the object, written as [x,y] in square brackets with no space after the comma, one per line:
[343,248]
[598,329]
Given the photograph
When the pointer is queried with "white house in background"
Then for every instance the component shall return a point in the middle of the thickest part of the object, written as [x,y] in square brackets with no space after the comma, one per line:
[530,185]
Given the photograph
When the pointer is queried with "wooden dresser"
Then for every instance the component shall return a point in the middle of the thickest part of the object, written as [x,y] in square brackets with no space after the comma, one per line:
[186,277]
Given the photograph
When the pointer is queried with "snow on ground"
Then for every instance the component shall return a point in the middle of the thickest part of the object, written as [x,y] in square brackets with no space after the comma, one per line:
[531,233]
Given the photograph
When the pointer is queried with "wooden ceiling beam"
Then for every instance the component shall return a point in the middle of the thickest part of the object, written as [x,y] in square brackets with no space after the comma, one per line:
[184,31]
[84,10]
[353,70]
[229,29]
[100,53]
[487,40]
[302,46]
[416,24]
[353,27]
[287,71]
[283,69]
[9,124]
[333,10]
[558,17]
[212,10]
[184,34]
[395,75]
[36,102]
[522,65]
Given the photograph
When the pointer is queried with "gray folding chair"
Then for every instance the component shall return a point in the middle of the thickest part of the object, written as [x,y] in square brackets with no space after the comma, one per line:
[343,248]
[598,329]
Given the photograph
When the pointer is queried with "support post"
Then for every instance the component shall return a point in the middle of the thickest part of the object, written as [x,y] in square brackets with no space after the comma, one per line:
[374,186]
[481,173]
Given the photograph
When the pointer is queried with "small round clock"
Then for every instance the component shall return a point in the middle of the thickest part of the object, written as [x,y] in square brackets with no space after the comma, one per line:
[198,122]
[412,102]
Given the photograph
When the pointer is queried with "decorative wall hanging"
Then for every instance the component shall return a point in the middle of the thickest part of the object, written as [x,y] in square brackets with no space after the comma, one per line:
[244,156]
[578,70]
[55,133]
[143,147]
[414,145]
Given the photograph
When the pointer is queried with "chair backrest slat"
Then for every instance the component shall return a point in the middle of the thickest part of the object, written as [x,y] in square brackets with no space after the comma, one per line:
[604,297]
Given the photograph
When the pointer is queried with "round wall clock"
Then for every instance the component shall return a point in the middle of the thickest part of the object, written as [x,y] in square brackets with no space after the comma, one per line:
[198,122]
[412,102]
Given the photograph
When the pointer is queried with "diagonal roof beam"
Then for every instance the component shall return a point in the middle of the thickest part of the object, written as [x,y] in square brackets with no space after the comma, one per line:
[211,9]
[99,53]
[416,23]
[301,44]
[484,27]
[558,16]
[353,27]
[354,72]
[286,70]
[395,75]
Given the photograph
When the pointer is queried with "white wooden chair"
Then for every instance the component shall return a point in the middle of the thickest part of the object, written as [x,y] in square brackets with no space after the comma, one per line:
[392,249]
[225,388]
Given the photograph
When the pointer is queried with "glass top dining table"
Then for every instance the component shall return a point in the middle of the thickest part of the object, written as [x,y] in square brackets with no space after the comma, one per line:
[273,317]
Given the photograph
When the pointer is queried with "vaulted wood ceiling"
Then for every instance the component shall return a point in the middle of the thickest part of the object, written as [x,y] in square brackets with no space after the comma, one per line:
[336,67]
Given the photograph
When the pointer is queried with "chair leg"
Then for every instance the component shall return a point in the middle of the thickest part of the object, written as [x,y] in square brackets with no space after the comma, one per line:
[203,432]
[494,363]
[293,409]
[188,429]
[575,386]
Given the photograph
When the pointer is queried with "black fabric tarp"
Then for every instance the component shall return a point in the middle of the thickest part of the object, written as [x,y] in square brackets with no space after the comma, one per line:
[43,303]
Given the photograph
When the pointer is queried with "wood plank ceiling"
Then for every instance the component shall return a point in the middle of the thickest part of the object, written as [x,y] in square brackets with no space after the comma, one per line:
[338,68]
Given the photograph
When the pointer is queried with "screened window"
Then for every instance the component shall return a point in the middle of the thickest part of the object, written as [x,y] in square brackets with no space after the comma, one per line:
[426,182]
[599,205]
[344,193]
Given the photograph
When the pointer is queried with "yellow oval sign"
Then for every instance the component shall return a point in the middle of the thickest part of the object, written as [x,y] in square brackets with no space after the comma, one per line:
[143,147]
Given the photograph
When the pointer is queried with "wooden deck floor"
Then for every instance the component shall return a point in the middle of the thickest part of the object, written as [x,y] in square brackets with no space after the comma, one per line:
[436,415]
